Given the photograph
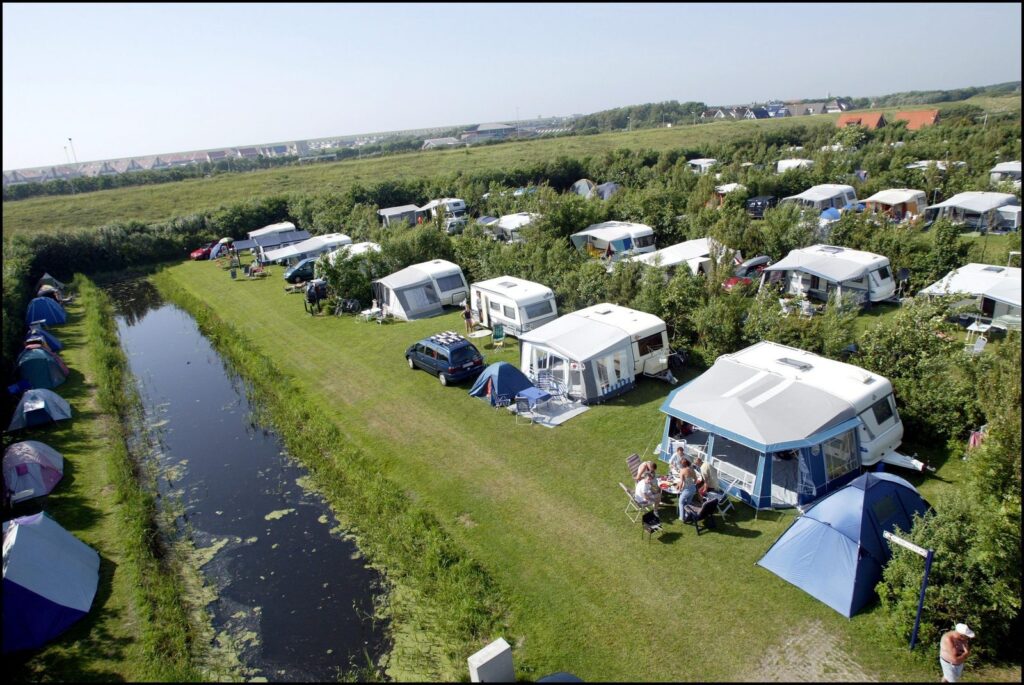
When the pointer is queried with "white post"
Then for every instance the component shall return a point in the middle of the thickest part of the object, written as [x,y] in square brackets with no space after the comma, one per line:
[492,664]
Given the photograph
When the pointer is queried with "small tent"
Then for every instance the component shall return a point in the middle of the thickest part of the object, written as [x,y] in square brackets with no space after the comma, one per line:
[38,331]
[47,279]
[606,190]
[38,407]
[46,310]
[41,368]
[31,469]
[50,580]
[583,187]
[835,551]
[500,379]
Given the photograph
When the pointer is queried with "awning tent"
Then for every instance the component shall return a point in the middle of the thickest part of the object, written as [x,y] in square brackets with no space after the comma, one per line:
[408,294]
[829,267]
[38,407]
[46,310]
[41,368]
[31,469]
[50,581]
[998,283]
[977,202]
[500,379]
[835,552]
[696,254]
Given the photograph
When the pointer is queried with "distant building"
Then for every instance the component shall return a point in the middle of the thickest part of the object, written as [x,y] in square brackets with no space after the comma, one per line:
[869,120]
[837,106]
[434,143]
[918,119]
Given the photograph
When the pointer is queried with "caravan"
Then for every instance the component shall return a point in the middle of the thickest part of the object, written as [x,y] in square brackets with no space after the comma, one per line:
[449,282]
[695,254]
[421,290]
[516,304]
[596,353]
[818,270]
[824,196]
[898,203]
[312,247]
[783,427]
[614,240]
[270,237]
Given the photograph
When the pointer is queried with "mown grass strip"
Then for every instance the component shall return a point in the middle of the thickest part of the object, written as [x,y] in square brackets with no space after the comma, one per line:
[462,607]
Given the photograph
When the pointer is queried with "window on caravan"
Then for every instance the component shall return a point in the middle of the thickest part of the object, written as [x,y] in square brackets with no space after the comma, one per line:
[495,307]
[448,283]
[651,343]
[883,273]
[644,241]
[841,455]
[539,309]
[510,312]
[882,410]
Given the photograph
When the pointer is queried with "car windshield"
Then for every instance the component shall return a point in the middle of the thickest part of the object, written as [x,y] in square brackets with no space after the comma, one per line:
[463,354]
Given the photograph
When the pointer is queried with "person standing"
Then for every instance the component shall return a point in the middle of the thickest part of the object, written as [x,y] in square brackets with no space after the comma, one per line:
[467,315]
[954,648]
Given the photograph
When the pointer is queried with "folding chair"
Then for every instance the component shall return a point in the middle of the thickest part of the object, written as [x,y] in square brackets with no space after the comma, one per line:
[498,336]
[976,348]
[523,409]
[650,524]
[786,307]
[695,515]
[633,462]
[502,401]
[724,503]
[634,510]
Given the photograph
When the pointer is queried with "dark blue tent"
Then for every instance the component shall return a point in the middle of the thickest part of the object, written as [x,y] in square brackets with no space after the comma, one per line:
[45,309]
[40,368]
[500,379]
[835,551]
[38,331]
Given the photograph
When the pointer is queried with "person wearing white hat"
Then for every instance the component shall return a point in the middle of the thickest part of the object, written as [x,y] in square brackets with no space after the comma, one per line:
[954,648]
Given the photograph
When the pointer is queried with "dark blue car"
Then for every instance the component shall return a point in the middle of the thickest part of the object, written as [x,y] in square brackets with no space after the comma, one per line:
[448,355]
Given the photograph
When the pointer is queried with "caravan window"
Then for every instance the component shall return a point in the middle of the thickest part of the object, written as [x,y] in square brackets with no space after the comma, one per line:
[495,307]
[882,410]
[883,273]
[448,283]
[651,343]
[840,455]
[539,309]
[644,241]
[510,313]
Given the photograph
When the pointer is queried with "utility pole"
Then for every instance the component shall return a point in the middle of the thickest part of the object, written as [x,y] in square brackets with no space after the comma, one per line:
[73,150]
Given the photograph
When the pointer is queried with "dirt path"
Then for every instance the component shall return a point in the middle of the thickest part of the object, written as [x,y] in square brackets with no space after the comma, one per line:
[808,654]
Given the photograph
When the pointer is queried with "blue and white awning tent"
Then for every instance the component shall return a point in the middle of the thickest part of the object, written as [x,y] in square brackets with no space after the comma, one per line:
[835,552]
[38,407]
[50,580]
[47,310]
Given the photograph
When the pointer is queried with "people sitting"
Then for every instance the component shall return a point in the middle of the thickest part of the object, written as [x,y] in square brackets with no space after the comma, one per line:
[675,464]
[707,478]
[647,492]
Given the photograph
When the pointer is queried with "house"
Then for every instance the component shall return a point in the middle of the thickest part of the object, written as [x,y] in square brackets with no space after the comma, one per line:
[614,240]
[596,353]
[1005,171]
[995,289]
[311,247]
[777,110]
[823,196]
[817,271]
[217,155]
[248,152]
[784,165]
[898,203]
[782,427]
[711,114]
[489,132]
[738,112]
[392,216]
[918,119]
[702,165]
[979,210]
[808,108]
[837,106]
[869,120]
[757,113]
[518,305]
[434,143]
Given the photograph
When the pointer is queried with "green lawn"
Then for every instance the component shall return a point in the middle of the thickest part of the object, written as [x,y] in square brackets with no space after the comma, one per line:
[541,509]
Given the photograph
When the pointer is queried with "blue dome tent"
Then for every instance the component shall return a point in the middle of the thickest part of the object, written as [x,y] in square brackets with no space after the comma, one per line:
[835,551]
[46,310]
[40,368]
[38,407]
[500,379]
[39,331]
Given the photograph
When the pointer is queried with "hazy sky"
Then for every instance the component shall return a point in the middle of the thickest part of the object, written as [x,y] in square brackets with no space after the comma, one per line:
[131,80]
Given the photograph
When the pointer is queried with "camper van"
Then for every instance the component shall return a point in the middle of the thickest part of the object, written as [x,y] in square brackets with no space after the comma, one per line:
[516,304]
[613,240]
[451,206]
[821,197]
[596,353]
[782,426]
[818,270]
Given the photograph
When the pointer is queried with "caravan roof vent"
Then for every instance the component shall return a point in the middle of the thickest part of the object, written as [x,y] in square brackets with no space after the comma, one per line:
[796,364]
[831,249]
[994,269]
[602,311]
[507,284]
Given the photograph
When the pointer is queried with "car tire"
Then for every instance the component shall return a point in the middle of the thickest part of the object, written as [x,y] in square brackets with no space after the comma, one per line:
[412,364]
[443,378]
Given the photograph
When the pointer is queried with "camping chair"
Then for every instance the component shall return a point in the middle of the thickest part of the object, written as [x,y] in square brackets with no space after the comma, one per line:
[523,409]
[806,308]
[976,348]
[695,515]
[725,504]
[633,461]
[498,336]
[650,524]
[502,401]
[787,308]
[634,510]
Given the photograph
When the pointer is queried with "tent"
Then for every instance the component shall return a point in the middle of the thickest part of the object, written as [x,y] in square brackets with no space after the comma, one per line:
[606,190]
[38,407]
[583,187]
[835,551]
[46,310]
[500,379]
[41,368]
[38,331]
[408,294]
[50,580]
[31,469]
[47,279]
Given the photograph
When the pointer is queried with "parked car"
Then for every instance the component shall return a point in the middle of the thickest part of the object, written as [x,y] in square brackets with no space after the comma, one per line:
[448,355]
[756,206]
[301,271]
[747,271]
[202,252]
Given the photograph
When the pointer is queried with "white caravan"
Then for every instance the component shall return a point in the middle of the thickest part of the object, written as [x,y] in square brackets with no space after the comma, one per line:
[818,270]
[784,165]
[449,282]
[614,240]
[311,247]
[821,197]
[518,305]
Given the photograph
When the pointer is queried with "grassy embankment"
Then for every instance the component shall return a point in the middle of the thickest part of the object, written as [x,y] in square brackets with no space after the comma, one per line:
[162,202]
[541,509]
[138,627]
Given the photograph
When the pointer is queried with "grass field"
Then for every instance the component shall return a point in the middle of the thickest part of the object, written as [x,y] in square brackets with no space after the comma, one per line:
[542,511]
[162,202]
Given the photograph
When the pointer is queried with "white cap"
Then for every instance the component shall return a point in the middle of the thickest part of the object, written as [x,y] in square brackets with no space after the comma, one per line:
[964,630]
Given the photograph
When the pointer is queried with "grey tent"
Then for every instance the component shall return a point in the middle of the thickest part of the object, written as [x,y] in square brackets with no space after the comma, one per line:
[583,187]
[606,190]
[408,294]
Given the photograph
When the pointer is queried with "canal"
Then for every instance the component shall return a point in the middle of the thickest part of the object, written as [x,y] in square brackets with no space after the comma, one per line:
[293,594]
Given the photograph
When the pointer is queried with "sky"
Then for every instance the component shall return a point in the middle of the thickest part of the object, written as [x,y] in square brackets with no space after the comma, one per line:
[137,79]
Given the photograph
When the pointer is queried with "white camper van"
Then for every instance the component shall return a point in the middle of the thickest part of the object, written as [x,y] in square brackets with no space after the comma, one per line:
[613,240]
[821,197]
[516,304]
[448,280]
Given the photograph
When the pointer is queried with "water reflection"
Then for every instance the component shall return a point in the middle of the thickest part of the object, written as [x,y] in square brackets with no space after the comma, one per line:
[294,597]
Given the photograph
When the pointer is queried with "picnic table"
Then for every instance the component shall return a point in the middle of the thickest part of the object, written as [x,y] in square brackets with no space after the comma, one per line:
[534,396]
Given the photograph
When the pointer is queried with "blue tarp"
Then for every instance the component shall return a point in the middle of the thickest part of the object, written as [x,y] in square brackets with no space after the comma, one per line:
[47,310]
[38,407]
[500,379]
[830,214]
[835,551]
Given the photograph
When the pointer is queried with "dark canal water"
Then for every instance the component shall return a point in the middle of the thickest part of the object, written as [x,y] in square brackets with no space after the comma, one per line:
[295,596]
